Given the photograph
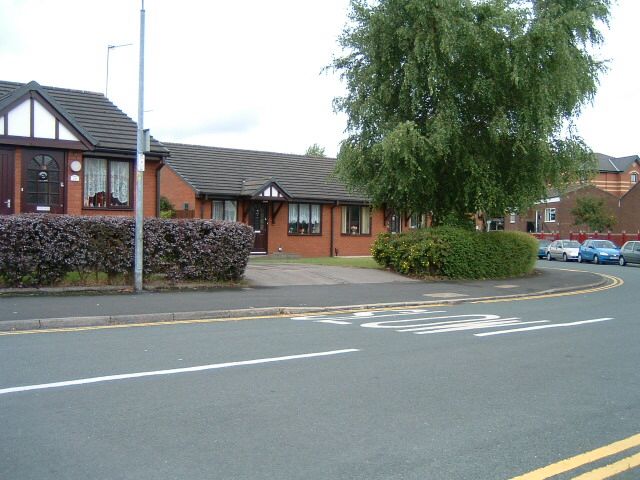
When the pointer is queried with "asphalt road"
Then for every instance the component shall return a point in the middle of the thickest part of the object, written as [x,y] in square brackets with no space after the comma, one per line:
[349,396]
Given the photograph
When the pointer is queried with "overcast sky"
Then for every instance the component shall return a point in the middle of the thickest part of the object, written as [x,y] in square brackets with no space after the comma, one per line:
[248,74]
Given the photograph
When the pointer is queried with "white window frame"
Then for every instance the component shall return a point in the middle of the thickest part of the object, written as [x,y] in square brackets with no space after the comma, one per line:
[364,221]
[229,210]
[634,177]
[550,215]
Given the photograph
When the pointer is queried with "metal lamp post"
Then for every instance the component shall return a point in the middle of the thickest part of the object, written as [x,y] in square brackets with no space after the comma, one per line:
[109,48]
[140,165]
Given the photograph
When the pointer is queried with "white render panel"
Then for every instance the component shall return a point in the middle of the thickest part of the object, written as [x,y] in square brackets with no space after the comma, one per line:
[19,120]
[2,125]
[44,124]
[65,134]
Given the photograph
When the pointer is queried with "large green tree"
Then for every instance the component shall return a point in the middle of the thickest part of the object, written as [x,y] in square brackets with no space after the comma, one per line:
[592,212]
[459,106]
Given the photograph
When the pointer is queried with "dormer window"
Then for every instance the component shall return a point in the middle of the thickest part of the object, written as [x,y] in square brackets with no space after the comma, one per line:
[634,177]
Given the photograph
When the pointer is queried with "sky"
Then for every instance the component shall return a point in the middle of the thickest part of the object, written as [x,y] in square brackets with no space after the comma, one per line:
[249,74]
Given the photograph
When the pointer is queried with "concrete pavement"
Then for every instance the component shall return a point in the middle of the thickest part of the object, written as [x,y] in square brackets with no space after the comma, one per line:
[293,288]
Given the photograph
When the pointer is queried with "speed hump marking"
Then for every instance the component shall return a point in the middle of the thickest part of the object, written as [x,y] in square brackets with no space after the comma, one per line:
[429,322]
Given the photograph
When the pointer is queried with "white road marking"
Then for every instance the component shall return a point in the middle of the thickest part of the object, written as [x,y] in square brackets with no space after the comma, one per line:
[124,376]
[335,322]
[353,316]
[394,323]
[478,326]
[457,323]
[540,327]
[363,314]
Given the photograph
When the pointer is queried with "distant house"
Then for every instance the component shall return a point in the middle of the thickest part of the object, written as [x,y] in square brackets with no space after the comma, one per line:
[616,183]
[70,151]
[293,202]
[617,175]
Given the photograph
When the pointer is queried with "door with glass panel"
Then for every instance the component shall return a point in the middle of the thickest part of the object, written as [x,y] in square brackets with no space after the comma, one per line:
[6,182]
[43,181]
[258,220]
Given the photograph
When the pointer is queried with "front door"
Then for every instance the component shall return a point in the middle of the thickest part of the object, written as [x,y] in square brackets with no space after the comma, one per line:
[43,182]
[258,220]
[6,182]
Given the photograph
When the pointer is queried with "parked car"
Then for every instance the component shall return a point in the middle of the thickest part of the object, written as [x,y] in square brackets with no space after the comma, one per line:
[629,253]
[564,250]
[599,251]
[542,248]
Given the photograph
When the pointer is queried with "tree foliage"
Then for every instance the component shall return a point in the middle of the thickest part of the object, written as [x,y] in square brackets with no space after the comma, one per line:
[460,106]
[592,212]
[315,150]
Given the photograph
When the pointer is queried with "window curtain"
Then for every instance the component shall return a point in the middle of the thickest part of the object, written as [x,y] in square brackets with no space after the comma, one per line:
[95,182]
[345,221]
[293,218]
[119,179]
[230,210]
[218,210]
[315,219]
[365,221]
[303,210]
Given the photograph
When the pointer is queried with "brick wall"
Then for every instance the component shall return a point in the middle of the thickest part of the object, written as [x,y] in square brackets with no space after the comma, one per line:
[629,212]
[279,240]
[74,188]
[177,191]
[565,221]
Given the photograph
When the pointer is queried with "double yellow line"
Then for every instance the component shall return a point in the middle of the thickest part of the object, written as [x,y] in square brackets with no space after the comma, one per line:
[613,283]
[600,473]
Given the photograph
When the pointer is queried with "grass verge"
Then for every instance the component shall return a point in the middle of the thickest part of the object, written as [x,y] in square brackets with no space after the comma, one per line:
[357,262]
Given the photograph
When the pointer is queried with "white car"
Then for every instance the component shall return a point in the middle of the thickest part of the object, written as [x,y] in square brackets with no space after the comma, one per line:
[564,250]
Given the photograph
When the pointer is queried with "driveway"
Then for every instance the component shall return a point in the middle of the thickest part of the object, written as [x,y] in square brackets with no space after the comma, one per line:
[278,275]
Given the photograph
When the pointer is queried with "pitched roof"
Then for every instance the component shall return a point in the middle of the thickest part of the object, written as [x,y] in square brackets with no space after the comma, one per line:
[225,172]
[92,114]
[610,164]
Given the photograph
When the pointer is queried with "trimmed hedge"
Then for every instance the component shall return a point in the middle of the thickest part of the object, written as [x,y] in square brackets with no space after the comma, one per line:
[457,253]
[40,250]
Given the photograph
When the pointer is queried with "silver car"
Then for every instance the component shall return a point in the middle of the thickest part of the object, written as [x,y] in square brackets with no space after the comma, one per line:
[564,250]
[630,253]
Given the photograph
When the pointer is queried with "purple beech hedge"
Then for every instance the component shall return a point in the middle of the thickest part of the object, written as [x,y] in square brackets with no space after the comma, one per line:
[37,250]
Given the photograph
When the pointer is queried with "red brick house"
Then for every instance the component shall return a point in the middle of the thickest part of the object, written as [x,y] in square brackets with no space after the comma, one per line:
[70,151]
[617,175]
[293,202]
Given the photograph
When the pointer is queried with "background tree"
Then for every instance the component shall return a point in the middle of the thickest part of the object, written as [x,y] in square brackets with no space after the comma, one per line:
[461,106]
[315,150]
[592,212]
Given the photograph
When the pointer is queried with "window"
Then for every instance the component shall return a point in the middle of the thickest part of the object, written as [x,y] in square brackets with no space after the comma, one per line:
[356,220]
[106,183]
[549,214]
[418,220]
[43,181]
[512,218]
[395,222]
[634,177]
[224,210]
[304,218]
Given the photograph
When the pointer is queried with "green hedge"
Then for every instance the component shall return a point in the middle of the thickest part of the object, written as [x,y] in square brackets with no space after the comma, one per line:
[38,250]
[457,253]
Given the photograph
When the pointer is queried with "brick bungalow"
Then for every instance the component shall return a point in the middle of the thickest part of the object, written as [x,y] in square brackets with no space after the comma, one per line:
[293,202]
[70,151]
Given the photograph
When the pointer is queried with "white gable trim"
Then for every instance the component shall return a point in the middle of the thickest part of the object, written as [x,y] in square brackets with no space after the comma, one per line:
[45,125]
[271,192]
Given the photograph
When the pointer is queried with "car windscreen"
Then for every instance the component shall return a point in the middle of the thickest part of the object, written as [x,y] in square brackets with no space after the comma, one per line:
[571,244]
[604,244]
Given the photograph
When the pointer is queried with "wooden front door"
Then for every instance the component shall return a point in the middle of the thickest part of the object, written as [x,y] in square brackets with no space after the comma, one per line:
[258,220]
[43,181]
[7,172]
